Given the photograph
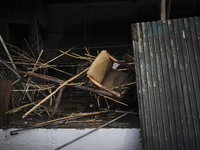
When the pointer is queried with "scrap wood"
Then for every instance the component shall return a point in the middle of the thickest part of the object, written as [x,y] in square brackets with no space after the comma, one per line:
[36,63]
[87,50]
[91,56]
[56,80]
[67,73]
[110,98]
[40,87]
[22,52]
[73,116]
[5,48]
[56,57]
[45,64]
[124,85]
[38,114]
[66,82]
[74,56]
[15,132]
[29,48]
[41,76]
[21,107]
[34,90]
[13,70]
[34,67]
[9,67]
[57,101]
[87,121]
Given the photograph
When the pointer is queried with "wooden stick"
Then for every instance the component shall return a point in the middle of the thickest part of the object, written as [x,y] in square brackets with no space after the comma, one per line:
[56,80]
[87,121]
[29,48]
[103,87]
[9,67]
[21,51]
[45,63]
[56,57]
[46,98]
[69,74]
[98,102]
[20,108]
[113,99]
[91,56]
[87,50]
[72,116]
[9,56]
[57,101]
[124,85]
[47,112]
[15,73]
[77,57]
[34,67]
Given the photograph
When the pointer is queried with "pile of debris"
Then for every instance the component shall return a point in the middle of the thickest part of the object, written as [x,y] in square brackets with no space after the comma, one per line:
[34,92]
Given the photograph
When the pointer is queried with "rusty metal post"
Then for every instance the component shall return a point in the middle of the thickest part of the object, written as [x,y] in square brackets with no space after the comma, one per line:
[5,87]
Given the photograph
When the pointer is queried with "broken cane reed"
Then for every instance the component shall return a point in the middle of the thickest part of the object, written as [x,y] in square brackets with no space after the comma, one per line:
[46,98]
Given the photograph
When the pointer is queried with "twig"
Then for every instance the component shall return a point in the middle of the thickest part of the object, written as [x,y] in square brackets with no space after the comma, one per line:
[5,48]
[87,121]
[9,67]
[87,50]
[56,57]
[29,48]
[57,101]
[22,52]
[46,63]
[72,116]
[34,90]
[61,71]
[27,88]
[107,103]
[91,56]
[124,85]
[66,82]
[38,114]
[110,98]
[20,108]
[34,67]
[98,102]
[47,112]
[77,57]
[56,80]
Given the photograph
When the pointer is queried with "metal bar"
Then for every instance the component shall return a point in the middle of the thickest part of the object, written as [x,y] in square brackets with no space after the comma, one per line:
[90,132]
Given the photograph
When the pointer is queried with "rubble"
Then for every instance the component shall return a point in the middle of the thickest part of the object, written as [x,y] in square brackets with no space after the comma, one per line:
[35,93]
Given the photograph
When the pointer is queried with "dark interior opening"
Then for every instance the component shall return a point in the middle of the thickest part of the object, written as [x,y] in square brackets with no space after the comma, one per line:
[53,25]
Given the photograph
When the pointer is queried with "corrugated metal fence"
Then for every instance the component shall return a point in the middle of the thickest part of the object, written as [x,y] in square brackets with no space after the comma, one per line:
[167,58]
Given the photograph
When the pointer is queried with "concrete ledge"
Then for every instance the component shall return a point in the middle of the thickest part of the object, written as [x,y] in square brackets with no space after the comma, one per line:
[49,139]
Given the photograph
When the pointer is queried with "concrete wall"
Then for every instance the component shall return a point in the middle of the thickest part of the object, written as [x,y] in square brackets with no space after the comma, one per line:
[48,139]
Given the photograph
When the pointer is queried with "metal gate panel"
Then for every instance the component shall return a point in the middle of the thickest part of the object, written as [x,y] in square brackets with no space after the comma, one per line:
[167,62]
